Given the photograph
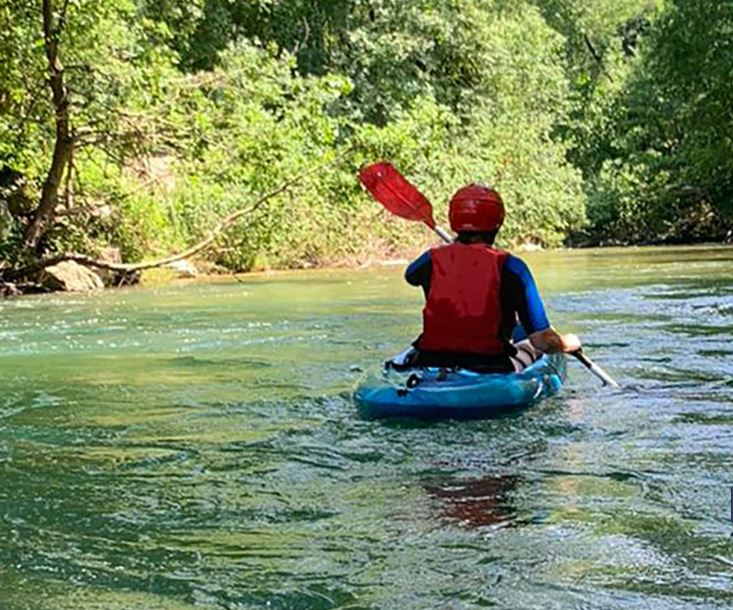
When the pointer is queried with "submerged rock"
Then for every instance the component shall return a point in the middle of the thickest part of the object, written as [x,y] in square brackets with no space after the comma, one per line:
[70,276]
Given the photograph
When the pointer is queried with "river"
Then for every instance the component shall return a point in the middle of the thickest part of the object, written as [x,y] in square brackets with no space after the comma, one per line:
[196,447]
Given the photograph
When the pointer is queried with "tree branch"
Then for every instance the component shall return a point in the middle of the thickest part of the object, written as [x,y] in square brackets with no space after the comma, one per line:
[214,234]
[596,55]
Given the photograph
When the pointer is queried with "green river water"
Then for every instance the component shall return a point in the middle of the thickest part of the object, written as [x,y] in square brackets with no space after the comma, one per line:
[196,447]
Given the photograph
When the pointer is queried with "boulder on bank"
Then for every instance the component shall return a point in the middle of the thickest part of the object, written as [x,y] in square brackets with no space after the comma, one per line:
[183,268]
[111,277]
[9,290]
[71,277]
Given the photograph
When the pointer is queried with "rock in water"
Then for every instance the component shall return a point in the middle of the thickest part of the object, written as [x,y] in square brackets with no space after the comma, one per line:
[70,276]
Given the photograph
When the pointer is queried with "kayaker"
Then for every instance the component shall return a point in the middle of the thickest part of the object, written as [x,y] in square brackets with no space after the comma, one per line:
[479,298]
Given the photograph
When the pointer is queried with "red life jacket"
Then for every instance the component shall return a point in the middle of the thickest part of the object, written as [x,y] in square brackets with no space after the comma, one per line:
[463,310]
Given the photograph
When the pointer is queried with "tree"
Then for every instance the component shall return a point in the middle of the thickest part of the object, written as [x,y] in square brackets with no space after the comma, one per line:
[53,27]
[73,100]
[668,172]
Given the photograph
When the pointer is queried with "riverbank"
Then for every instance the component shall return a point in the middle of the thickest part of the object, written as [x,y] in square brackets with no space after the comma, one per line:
[202,271]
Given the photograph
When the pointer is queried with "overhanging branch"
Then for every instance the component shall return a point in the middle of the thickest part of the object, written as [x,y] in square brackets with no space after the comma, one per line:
[214,234]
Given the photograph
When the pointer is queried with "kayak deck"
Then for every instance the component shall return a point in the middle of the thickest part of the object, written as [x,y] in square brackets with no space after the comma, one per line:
[433,394]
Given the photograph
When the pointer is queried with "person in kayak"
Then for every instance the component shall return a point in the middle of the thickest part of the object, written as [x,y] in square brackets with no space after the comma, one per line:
[483,309]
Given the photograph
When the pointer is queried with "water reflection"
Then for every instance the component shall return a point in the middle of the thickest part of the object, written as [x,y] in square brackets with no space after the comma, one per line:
[477,502]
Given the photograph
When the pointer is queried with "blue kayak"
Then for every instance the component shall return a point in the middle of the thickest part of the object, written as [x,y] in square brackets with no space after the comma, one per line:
[433,394]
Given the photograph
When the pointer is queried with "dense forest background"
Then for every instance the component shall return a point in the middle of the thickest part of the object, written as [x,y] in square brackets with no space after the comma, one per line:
[139,124]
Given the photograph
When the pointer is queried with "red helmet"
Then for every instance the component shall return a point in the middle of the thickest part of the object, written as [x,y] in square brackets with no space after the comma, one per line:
[476,208]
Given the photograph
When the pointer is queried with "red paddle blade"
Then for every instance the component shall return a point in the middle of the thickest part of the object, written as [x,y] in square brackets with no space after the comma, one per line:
[394,192]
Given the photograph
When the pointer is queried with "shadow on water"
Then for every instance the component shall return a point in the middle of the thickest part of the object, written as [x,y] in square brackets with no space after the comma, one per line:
[509,414]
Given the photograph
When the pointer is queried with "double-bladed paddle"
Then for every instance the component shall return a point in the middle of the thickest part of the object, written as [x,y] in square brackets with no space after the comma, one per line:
[396,194]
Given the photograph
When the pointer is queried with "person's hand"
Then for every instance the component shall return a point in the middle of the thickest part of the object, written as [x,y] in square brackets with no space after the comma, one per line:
[570,343]
[550,341]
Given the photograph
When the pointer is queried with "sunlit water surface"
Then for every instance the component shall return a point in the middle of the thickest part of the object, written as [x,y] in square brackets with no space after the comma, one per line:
[196,447]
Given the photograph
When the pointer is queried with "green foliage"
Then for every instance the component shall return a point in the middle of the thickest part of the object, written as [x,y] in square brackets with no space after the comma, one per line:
[23,105]
[183,112]
[667,169]
[256,124]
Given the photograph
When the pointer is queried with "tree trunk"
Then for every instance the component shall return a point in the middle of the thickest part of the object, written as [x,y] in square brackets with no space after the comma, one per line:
[44,214]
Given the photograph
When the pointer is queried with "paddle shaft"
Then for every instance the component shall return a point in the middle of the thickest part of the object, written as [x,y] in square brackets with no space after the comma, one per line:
[444,235]
[595,369]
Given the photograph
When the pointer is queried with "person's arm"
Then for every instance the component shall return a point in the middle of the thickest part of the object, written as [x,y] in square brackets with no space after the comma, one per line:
[419,271]
[532,313]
